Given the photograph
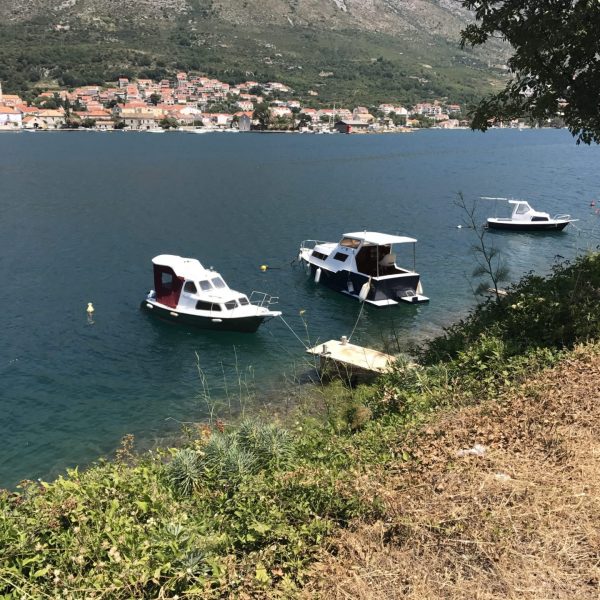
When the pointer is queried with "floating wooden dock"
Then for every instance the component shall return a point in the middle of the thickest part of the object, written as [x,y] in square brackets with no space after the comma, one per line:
[342,359]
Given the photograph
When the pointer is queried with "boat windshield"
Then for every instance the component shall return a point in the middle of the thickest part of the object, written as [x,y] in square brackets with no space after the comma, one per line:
[205,285]
[218,283]
[522,208]
[350,242]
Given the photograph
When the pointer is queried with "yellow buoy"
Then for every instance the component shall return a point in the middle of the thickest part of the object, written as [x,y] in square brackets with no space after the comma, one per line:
[263,268]
[90,308]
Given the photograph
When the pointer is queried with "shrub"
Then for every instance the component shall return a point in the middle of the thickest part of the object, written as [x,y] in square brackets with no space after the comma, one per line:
[184,472]
[271,445]
[557,312]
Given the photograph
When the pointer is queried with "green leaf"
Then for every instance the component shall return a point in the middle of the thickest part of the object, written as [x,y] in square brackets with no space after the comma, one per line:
[261,574]
[41,572]
[260,527]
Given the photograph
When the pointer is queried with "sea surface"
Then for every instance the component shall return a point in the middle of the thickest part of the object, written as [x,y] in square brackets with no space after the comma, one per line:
[83,213]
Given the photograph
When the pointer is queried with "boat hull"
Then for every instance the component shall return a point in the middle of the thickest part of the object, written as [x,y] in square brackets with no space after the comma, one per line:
[383,292]
[527,226]
[240,324]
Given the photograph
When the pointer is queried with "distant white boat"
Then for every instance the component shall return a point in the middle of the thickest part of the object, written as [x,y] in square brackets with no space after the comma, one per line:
[155,130]
[525,218]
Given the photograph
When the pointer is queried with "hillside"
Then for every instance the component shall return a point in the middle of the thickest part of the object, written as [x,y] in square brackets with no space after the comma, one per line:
[344,49]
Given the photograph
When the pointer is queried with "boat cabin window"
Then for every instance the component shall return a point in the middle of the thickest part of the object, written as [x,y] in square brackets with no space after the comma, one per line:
[371,260]
[243,301]
[218,283]
[319,255]
[201,305]
[205,285]
[231,305]
[350,243]
[190,287]
[340,256]
[522,209]
[166,280]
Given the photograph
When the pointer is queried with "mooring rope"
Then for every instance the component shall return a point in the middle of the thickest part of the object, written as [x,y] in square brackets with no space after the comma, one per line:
[295,334]
[362,305]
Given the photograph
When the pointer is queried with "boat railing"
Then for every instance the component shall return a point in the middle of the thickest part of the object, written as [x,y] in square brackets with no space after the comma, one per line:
[310,244]
[562,217]
[263,299]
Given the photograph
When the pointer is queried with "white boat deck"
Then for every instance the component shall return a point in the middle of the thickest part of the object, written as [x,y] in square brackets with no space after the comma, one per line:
[353,357]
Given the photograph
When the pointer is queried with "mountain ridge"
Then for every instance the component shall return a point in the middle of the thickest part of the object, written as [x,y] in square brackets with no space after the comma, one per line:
[84,41]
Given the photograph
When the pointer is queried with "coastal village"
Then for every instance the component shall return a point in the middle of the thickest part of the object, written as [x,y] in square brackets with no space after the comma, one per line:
[195,102]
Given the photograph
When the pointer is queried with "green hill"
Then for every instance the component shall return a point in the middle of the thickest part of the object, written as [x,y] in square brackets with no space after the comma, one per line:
[347,51]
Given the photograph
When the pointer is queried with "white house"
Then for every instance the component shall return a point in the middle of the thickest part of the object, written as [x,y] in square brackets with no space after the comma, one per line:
[10,117]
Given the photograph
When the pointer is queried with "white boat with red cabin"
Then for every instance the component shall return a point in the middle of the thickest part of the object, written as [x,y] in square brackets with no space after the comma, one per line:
[186,292]
[363,265]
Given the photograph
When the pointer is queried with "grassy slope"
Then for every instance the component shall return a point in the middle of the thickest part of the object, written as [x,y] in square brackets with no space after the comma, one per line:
[518,522]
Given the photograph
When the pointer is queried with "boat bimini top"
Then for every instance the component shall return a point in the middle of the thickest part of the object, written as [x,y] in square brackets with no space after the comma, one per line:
[379,239]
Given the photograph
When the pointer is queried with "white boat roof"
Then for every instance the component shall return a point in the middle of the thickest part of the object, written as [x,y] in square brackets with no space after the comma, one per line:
[188,268]
[379,239]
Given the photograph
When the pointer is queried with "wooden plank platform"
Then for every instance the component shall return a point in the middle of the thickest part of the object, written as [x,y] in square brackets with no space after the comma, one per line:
[351,358]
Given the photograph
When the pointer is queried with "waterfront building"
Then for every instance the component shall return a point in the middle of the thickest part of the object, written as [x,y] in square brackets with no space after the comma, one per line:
[10,118]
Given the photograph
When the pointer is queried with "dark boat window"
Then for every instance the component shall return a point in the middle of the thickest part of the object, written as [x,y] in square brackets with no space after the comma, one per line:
[367,260]
[319,255]
[243,301]
[205,286]
[231,305]
[166,280]
[350,243]
[190,287]
[218,282]
[539,218]
[340,256]
[201,305]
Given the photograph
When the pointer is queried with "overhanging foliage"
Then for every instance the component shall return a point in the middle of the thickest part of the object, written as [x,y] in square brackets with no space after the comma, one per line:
[556,61]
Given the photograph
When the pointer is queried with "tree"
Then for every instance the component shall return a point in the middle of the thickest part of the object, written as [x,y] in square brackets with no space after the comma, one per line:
[304,120]
[423,121]
[490,263]
[397,119]
[263,115]
[155,98]
[555,68]
[168,123]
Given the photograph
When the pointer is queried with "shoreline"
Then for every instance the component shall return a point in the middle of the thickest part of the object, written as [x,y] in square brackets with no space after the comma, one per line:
[271,131]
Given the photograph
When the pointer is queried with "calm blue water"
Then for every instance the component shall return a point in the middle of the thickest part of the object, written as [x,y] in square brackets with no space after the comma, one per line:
[82,214]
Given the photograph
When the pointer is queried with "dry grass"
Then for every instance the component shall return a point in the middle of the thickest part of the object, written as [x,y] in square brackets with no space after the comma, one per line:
[522,521]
